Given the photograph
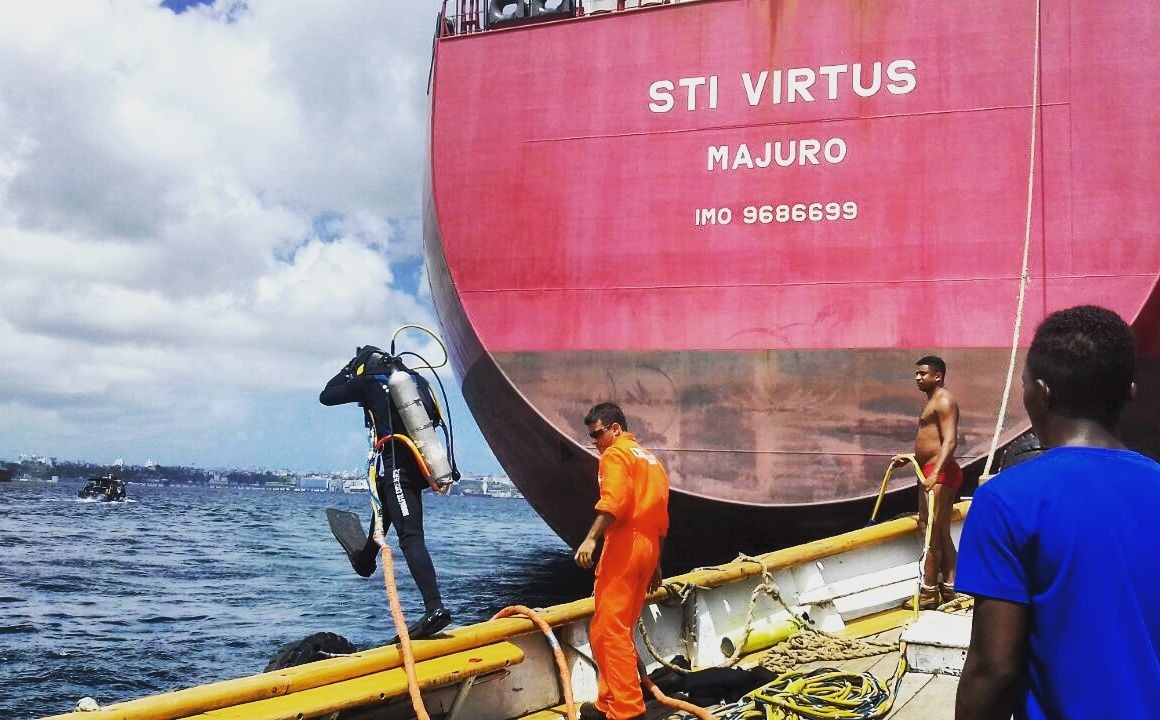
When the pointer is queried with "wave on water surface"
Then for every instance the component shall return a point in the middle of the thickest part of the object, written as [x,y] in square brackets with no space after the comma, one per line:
[182,586]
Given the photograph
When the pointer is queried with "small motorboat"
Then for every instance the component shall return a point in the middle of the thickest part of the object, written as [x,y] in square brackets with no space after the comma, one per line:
[106,488]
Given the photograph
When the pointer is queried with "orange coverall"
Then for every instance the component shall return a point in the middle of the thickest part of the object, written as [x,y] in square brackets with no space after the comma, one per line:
[634,489]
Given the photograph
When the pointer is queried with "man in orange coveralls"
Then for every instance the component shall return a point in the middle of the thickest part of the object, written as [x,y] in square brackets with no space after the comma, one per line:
[632,516]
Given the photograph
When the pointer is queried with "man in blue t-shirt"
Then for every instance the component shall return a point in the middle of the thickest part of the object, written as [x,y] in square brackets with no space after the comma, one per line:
[1063,552]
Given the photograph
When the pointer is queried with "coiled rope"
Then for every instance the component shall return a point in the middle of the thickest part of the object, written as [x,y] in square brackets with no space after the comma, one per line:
[820,694]
[813,645]
[808,637]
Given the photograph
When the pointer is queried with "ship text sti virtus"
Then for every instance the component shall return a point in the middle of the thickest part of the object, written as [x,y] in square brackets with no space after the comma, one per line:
[744,221]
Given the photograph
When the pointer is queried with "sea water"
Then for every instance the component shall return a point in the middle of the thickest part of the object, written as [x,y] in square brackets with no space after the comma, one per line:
[183,586]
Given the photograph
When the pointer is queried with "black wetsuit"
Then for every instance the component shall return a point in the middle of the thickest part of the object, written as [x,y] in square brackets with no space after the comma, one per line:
[400,481]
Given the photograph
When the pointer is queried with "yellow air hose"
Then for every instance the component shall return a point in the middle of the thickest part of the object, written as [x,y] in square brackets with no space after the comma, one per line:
[430,332]
[820,694]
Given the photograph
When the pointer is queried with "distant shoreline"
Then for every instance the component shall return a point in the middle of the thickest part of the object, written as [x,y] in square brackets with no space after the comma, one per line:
[44,469]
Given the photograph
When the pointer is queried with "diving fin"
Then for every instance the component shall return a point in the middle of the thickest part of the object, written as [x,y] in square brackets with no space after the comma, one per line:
[358,544]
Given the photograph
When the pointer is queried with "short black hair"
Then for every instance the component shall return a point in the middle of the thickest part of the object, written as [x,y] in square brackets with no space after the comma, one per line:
[607,413]
[1087,356]
[934,362]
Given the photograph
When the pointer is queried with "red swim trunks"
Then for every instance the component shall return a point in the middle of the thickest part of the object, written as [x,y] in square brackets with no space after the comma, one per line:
[951,475]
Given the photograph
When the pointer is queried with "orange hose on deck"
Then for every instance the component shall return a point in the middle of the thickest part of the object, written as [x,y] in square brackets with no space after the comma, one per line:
[561,662]
[566,675]
[404,637]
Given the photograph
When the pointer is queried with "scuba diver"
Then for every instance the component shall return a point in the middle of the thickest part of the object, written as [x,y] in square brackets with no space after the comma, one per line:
[397,473]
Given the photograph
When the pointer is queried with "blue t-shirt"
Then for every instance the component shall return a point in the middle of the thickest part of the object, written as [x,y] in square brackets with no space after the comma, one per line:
[1075,535]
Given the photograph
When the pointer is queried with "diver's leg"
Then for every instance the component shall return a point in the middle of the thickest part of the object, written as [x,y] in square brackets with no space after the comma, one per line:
[404,505]
[413,543]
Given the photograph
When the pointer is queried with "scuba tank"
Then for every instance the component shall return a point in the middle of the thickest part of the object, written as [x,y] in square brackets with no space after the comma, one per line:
[415,403]
[420,419]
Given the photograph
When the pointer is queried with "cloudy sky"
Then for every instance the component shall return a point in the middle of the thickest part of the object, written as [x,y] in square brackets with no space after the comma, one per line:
[203,210]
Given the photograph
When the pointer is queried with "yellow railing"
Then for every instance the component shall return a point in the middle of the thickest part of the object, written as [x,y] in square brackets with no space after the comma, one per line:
[231,693]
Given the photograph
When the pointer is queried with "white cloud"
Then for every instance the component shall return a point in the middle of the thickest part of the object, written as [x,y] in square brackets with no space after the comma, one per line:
[200,214]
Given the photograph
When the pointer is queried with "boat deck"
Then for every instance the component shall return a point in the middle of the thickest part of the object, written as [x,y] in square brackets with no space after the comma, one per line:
[921,695]
[852,585]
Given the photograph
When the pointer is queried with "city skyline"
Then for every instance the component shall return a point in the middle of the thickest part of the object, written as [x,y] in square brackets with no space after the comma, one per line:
[359,470]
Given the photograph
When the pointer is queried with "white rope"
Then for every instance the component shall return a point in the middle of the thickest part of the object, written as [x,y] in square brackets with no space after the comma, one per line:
[1023,276]
[767,586]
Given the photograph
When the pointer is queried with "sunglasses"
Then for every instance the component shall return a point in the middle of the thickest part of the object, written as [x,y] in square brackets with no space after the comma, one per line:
[596,434]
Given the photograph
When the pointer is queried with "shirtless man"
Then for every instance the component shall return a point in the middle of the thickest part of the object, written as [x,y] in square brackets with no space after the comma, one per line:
[934,449]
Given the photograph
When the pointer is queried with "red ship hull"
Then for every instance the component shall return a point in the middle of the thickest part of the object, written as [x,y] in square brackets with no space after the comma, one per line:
[745,220]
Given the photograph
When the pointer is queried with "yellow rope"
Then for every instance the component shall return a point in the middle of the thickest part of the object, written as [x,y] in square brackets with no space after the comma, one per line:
[885,478]
[820,694]
[929,518]
[824,693]
[925,547]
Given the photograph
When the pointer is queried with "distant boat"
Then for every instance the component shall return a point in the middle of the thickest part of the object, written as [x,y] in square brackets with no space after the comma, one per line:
[501,489]
[106,488]
[356,485]
[487,486]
